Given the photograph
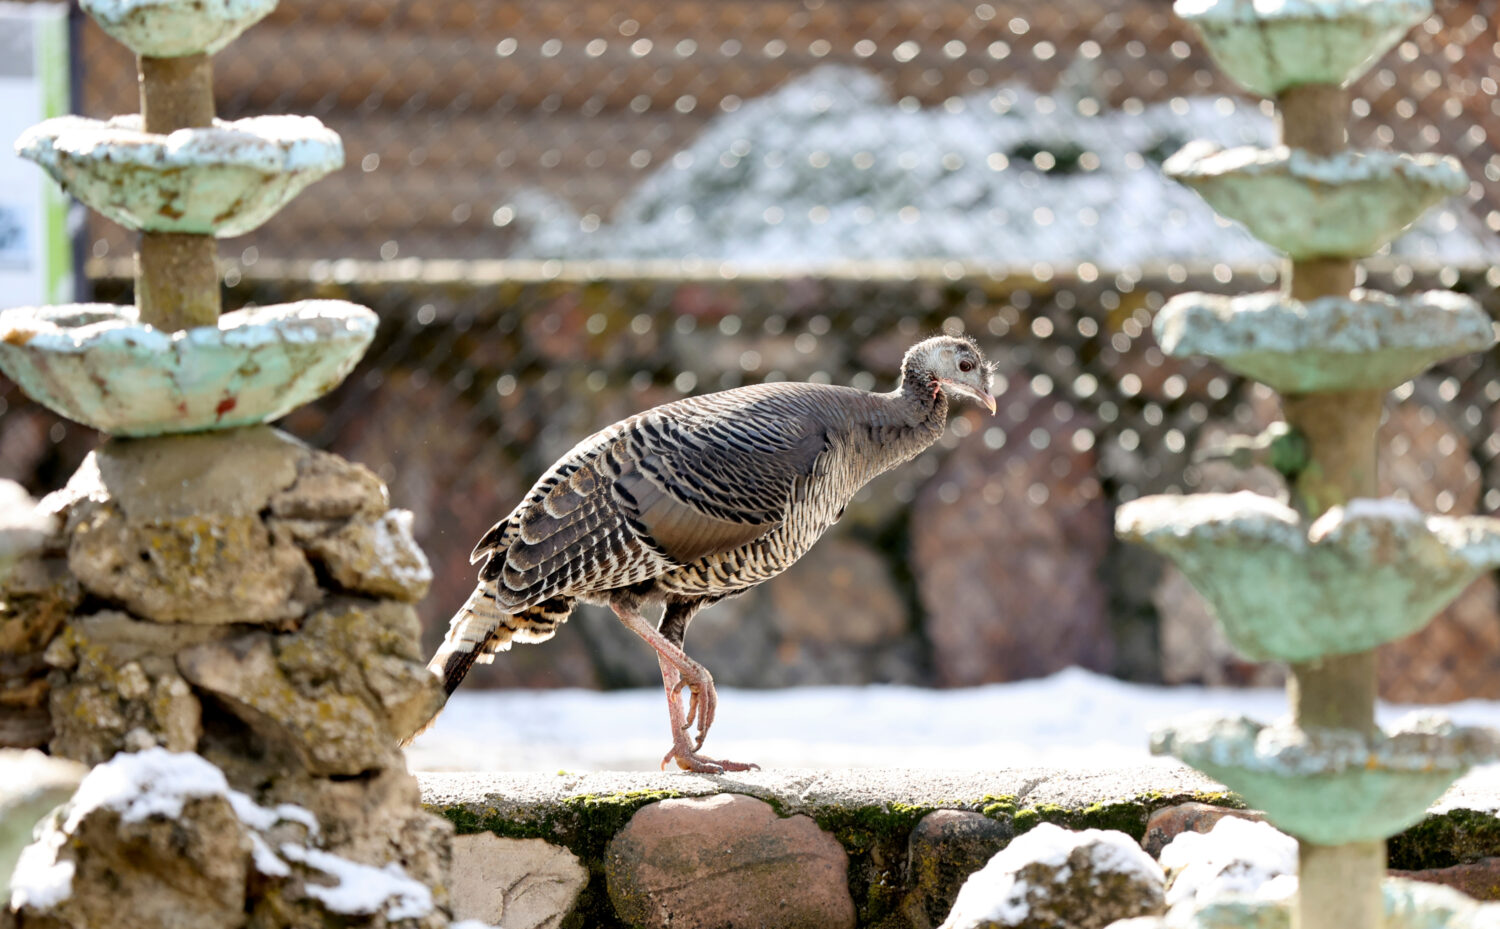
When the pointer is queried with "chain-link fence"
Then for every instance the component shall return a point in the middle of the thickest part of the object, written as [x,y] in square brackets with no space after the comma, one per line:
[695,195]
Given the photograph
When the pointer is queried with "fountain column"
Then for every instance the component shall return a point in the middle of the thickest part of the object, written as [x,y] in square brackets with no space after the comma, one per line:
[1321,583]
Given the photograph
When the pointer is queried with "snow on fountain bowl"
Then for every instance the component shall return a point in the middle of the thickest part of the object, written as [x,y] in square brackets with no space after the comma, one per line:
[174,28]
[1345,205]
[1361,575]
[1270,46]
[1366,341]
[99,365]
[222,181]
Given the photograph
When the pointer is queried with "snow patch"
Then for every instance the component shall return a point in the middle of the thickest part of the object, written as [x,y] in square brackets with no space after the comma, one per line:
[1390,509]
[139,785]
[829,168]
[362,890]
[998,895]
[1236,857]
[39,879]
[262,818]
[1074,719]
[265,859]
[396,551]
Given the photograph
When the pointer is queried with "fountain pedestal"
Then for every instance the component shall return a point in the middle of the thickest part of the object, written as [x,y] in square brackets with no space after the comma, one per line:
[1321,583]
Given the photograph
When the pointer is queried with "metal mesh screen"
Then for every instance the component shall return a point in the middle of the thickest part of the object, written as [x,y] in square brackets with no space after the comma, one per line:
[482,131]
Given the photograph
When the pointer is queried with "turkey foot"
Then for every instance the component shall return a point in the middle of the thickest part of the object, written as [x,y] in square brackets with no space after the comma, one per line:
[678,671]
[686,755]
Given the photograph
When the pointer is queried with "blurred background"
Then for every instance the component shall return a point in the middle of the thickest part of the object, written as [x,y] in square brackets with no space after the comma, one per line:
[567,211]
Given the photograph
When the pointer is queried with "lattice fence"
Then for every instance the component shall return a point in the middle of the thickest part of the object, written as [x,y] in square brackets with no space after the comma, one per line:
[575,134]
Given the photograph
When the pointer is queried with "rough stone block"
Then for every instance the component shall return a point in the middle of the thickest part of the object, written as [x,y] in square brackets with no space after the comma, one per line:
[211,568]
[336,694]
[518,883]
[944,849]
[121,689]
[727,861]
[377,557]
[328,487]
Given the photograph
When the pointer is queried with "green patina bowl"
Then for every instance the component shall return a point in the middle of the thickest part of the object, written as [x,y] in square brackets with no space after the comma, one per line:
[1345,205]
[174,28]
[222,181]
[1332,786]
[1360,575]
[98,365]
[1270,45]
[1367,341]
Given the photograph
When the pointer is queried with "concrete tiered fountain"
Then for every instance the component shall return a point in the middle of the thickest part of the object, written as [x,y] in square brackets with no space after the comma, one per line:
[215,615]
[1321,583]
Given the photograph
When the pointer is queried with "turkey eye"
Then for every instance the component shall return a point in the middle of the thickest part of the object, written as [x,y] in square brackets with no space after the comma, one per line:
[966,365]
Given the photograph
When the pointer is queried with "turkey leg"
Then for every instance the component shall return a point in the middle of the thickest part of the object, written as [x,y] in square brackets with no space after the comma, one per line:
[678,671]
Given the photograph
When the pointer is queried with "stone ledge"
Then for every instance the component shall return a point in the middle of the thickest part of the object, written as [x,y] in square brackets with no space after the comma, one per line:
[872,812]
[523,802]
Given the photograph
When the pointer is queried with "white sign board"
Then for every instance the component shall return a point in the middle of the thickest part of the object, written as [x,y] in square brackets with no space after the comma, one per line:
[36,255]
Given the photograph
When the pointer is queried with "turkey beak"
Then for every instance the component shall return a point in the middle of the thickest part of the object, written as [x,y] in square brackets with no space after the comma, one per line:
[972,393]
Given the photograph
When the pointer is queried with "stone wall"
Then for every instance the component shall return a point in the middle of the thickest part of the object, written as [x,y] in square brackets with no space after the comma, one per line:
[803,848]
[989,558]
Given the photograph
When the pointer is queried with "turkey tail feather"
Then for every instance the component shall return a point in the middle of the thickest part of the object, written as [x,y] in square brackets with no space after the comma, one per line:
[481,629]
[475,634]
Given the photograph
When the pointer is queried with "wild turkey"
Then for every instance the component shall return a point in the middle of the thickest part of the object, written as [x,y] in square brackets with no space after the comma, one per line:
[691,502]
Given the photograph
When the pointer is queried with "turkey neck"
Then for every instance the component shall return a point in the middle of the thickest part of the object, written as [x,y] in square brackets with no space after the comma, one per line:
[910,419]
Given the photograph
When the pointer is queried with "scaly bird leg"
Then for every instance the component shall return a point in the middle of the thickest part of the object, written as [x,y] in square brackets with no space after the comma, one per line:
[685,755]
[678,672]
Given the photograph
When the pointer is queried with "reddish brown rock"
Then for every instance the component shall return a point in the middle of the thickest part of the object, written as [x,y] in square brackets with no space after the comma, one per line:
[1424,457]
[1479,879]
[1169,822]
[1457,655]
[1006,546]
[841,592]
[726,861]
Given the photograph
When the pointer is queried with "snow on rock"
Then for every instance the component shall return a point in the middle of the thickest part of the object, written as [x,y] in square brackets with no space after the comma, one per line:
[151,790]
[362,890]
[1235,858]
[829,167]
[1051,876]
[42,879]
[138,785]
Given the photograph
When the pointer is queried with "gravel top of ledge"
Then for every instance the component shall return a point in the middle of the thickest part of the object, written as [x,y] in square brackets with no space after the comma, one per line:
[801,790]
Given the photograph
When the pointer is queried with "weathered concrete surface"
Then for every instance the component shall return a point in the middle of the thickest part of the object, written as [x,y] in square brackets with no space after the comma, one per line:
[534,798]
